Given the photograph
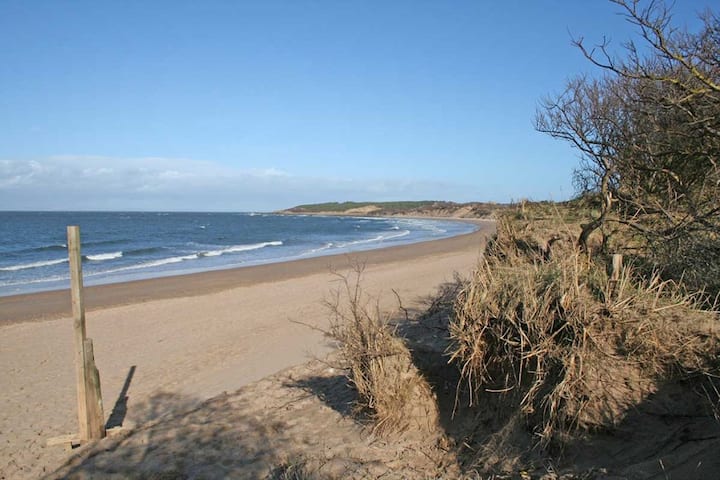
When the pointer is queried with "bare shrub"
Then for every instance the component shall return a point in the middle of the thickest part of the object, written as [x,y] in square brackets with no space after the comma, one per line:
[390,388]
[567,347]
[646,130]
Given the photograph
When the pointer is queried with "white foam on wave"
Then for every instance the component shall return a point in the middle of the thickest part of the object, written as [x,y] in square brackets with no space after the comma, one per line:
[379,238]
[34,281]
[166,261]
[319,249]
[154,263]
[24,266]
[183,258]
[242,248]
[104,256]
[427,225]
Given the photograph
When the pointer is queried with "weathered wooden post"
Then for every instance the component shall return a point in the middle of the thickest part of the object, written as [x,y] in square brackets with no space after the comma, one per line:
[95,412]
[617,261]
[91,418]
[615,271]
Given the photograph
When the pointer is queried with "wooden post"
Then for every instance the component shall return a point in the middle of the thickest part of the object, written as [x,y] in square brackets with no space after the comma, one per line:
[78,308]
[615,271]
[617,261]
[89,396]
[96,415]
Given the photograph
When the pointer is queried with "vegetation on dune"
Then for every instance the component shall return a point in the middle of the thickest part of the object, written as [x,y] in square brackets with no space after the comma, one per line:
[543,324]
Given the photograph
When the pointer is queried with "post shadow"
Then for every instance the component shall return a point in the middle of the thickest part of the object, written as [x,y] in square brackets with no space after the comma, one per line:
[120,409]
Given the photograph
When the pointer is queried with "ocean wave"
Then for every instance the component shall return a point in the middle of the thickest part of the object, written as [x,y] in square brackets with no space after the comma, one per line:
[403,233]
[319,249]
[104,256]
[49,248]
[241,248]
[166,261]
[97,243]
[153,263]
[379,238]
[17,283]
[55,247]
[194,256]
[143,251]
[25,266]
[427,225]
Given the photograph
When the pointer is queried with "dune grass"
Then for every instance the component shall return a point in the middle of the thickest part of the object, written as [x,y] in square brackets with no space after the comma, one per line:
[542,324]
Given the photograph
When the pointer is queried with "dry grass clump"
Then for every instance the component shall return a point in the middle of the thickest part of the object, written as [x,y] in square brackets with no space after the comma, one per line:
[390,389]
[292,470]
[696,260]
[543,324]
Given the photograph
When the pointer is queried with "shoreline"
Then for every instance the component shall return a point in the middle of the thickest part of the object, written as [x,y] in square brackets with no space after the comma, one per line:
[165,346]
[53,304]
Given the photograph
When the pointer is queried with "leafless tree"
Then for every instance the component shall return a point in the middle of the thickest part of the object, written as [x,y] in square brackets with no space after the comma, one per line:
[649,132]
[589,114]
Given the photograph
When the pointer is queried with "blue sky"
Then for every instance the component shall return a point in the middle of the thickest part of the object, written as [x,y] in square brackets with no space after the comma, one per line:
[261,105]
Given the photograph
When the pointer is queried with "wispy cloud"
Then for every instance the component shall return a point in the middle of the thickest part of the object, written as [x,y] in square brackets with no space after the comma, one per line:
[72,182]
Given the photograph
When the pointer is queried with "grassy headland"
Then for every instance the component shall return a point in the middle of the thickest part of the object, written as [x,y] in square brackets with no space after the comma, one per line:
[423,208]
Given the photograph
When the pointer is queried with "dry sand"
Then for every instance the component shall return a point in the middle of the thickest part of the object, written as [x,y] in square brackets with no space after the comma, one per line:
[170,344]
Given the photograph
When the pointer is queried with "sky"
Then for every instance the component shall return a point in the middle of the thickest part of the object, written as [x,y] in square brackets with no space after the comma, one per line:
[262,105]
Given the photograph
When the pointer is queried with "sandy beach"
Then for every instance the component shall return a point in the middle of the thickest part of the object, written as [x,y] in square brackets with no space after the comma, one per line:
[191,337]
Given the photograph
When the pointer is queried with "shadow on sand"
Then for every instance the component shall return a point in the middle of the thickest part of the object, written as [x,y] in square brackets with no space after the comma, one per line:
[260,431]
[186,439]
[119,411]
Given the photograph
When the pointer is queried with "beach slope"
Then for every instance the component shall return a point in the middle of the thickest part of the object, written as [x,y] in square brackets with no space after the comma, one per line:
[192,338]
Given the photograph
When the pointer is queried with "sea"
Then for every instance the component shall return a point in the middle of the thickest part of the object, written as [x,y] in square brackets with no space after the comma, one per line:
[124,246]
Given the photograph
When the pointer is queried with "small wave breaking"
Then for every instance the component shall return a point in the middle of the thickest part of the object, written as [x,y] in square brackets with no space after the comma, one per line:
[154,263]
[55,247]
[101,257]
[313,251]
[379,238]
[25,266]
[241,248]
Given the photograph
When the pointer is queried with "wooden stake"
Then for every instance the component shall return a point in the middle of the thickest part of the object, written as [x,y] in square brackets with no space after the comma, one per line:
[91,418]
[617,261]
[615,271]
[96,415]
[78,309]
